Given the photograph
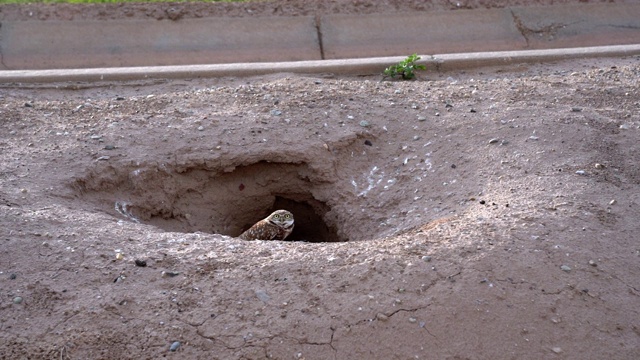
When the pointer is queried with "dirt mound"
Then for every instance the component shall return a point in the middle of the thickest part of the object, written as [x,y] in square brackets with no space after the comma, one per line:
[481,214]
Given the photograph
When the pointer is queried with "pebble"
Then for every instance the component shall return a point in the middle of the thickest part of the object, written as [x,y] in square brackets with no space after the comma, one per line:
[140,263]
[625,127]
[96,137]
[262,295]
[200,128]
[109,147]
[599,166]
[368,143]
[412,319]
[494,141]
[17,300]
[593,263]
[576,109]
[276,112]
[581,172]
[13,276]
[612,202]
[174,346]
[566,268]
[382,317]
[106,157]
[421,118]
[426,258]
[364,123]
[556,350]
[170,273]
[532,137]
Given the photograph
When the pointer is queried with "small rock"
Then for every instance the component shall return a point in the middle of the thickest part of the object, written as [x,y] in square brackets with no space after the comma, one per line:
[368,143]
[119,98]
[170,273]
[200,128]
[412,320]
[494,141]
[421,118]
[119,256]
[382,317]
[262,295]
[625,127]
[565,268]
[556,350]
[174,346]
[472,110]
[599,166]
[140,263]
[24,191]
[593,263]
[276,112]
[17,300]
[426,258]
[612,202]
[532,137]
[576,109]
[581,172]
[437,114]
[13,276]
[109,147]
[28,105]
[364,123]
[96,137]
[102,158]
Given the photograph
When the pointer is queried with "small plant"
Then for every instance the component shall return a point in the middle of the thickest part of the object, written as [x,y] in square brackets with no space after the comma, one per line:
[406,68]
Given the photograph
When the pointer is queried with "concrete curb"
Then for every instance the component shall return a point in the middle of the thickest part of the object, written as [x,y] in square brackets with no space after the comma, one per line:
[445,62]
[72,44]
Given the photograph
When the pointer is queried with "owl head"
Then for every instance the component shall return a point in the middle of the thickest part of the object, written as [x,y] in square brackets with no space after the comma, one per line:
[281,218]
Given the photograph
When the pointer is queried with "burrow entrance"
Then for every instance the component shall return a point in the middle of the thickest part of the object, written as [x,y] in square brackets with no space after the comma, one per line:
[193,198]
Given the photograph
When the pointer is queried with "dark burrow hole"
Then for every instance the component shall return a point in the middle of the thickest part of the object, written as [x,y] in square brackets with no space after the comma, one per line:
[199,200]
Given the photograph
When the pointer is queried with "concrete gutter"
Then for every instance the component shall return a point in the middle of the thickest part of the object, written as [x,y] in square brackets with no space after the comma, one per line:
[445,62]
[75,44]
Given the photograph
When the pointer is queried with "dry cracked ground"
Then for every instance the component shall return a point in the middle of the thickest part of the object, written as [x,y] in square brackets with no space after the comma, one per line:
[486,214]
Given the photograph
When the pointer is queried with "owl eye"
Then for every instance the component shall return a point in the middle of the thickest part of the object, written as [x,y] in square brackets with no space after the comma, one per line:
[276,216]
[287,216]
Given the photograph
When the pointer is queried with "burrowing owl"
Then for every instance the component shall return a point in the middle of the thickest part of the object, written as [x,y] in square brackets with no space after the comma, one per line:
[276,226]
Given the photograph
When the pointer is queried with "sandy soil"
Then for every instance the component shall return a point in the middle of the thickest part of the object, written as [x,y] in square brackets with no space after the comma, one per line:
[487,214]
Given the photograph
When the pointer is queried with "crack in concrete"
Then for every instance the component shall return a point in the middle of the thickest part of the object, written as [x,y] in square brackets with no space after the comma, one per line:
[318,24]
[527,32]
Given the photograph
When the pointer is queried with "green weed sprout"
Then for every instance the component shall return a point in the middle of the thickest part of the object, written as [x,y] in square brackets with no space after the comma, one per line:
[406,68]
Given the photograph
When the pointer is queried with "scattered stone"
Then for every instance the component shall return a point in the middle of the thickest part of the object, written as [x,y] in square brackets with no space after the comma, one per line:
[170,273]
[565,268]
[494,141]
[482,202]
[382,317]
[576,109]
[200,128]
[416,138]
[426,258]
[364,123]
[593,263]
[13,276]
[28,105]
[414,106]
[276,112]
[102,158]
[556,350]
[140,263]
[437,114]
[368,143]
[109,147]
[24,191]
[581,172]
[599,166]
[119,98]
[17,300]
[412,320]
[174,346]
[421,118]
[625,127]
[472,110]
[533,137]
[119,256]
[612,202]
[453,166]
[350,117]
